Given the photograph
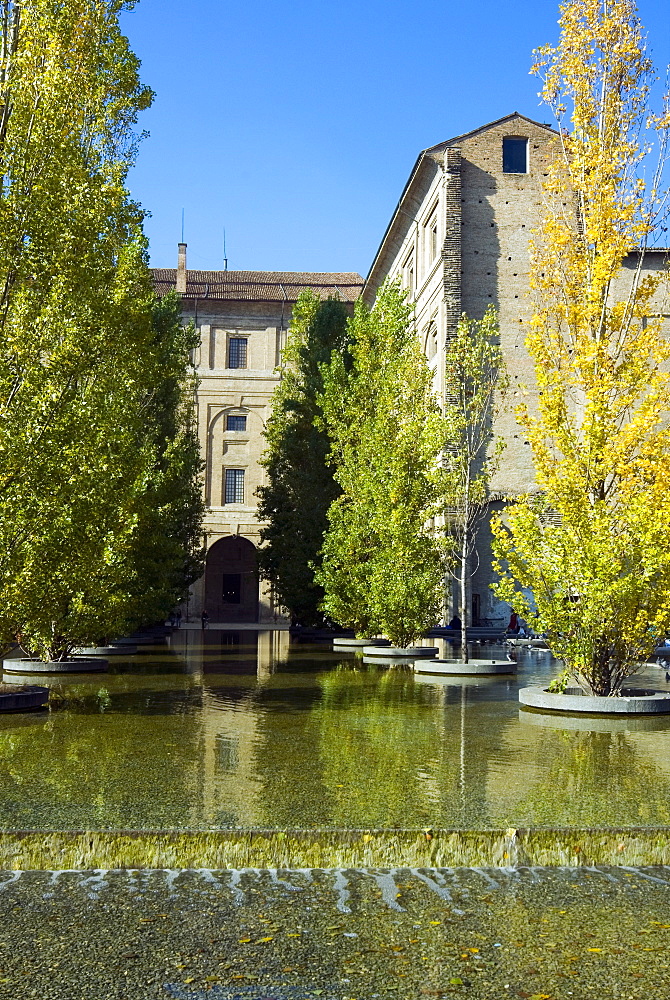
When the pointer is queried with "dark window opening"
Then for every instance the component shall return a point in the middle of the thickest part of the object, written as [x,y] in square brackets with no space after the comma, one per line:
[236,423]
[232,588]
[476,609]
[234,486]
[237,352]
[515,156]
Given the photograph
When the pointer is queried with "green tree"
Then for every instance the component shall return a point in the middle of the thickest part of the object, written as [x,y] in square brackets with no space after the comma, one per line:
[475,385]
[383,567]
[79,352]
[300,483]
[167,554]
[593,547]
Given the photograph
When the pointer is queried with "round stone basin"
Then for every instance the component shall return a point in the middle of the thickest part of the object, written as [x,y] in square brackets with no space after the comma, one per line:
[397,652]
[358,643]
[78,666]
[23,700]
[474,668]
[632,702]
[125,650]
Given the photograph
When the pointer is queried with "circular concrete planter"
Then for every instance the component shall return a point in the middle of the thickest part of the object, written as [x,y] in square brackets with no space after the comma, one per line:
[78,666]
[359,643]
[630,703]
[23,701]
[105,651]
[389,661]
[473,668]
[393,652]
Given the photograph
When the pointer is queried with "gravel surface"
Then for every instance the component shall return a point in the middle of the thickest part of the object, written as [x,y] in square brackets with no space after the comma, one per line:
[544,934]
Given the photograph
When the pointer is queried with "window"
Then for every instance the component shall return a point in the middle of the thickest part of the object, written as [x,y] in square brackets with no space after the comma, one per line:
[515,156]
[234,486]
[235,422]
[431,239]
[237,352]
[431,341]
[408,273]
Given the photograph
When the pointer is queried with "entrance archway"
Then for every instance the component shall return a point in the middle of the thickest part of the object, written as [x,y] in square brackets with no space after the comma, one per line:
[231,581]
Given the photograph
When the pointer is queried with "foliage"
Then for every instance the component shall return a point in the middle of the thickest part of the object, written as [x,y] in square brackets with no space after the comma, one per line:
[167,554]
[593,546]
[79,352]
[382,564]
[300,484]
[475,384]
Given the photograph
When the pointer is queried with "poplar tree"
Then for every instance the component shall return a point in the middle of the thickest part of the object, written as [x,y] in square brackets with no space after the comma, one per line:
[79,356]
[475,385]
[300,484]
[383,567]
[593,545]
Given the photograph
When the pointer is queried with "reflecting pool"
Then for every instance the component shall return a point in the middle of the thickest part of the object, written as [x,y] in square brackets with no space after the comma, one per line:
[244,729]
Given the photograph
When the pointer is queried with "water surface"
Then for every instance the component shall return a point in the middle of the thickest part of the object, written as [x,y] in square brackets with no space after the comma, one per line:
[222,730]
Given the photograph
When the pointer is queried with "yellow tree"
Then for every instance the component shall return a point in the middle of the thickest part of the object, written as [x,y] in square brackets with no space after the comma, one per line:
[592,546]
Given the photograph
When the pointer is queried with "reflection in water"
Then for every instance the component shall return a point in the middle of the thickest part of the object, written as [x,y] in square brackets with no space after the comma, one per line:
[246,729]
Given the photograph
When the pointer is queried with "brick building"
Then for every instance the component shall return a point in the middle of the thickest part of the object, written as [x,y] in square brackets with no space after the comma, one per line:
[242,318]
[458,239]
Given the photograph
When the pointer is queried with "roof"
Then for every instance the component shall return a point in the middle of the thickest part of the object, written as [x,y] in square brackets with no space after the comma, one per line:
[484,128]
[260,286]
[439,148]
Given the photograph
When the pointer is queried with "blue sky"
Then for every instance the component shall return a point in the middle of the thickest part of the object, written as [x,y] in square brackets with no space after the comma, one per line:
[294,126]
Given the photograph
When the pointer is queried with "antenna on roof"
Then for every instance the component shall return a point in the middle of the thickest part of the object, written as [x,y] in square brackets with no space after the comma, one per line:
[182,225]
[225,259]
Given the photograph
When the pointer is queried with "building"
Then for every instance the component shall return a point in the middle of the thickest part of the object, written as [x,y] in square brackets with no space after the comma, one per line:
[242,318]
[459,241]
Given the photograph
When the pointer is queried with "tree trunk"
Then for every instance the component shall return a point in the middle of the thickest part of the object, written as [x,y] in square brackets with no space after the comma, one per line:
[463,582]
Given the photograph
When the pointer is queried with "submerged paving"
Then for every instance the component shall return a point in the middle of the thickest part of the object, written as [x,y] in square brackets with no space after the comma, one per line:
[336,935]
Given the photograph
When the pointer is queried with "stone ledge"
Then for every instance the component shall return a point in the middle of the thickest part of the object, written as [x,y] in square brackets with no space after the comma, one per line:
[21,701]
[359,643]
[633,703]
[474,668]
[409,653]
[78,666]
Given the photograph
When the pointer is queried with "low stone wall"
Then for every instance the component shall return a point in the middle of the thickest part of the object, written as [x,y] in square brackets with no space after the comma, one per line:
[630,703]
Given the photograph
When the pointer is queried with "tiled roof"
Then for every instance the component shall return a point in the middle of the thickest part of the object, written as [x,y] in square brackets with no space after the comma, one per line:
[260,286]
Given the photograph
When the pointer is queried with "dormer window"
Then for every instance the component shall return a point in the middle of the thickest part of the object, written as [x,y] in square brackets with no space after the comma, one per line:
[515,156]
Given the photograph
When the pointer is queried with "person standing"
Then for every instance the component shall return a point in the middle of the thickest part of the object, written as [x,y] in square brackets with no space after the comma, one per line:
[204,618]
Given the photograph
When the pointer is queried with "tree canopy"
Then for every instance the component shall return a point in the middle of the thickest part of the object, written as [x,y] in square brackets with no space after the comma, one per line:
[383,566]
[81,357]
[592,545]
[300,484]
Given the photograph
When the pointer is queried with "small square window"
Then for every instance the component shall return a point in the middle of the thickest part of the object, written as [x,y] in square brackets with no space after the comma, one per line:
[237,352]
[234,488]
[235,422]
[515,156]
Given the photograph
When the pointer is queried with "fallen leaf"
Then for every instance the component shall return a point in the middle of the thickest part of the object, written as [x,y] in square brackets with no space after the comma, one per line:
[264,940]
[597,951]
[456,981]
[244,941]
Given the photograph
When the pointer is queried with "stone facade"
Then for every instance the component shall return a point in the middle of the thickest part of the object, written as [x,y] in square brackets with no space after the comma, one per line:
[242,318]
[459,241]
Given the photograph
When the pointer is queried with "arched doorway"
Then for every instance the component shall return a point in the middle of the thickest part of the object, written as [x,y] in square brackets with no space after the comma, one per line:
[231,581]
